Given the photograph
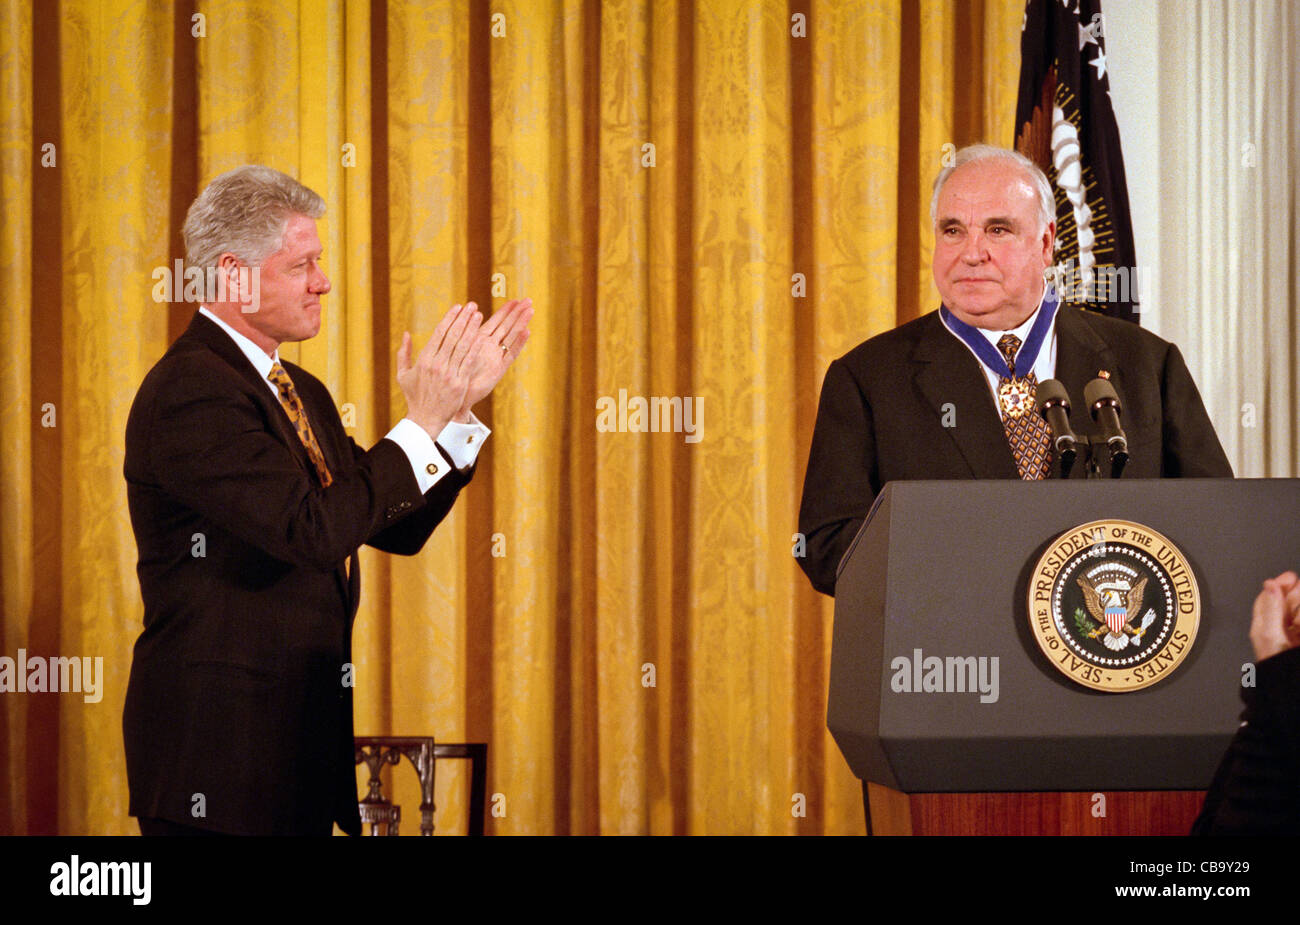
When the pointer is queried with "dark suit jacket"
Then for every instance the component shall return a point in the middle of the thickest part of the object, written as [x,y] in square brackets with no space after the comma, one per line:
[1256,790]
[237,703]
[884,406]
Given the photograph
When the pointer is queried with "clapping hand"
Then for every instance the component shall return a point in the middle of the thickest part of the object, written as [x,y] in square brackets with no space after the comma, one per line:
[1275,624]
[500,341]
[435,385]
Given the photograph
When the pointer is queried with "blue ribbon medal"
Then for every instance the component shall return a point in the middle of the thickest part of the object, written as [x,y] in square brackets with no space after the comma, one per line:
[1014,392]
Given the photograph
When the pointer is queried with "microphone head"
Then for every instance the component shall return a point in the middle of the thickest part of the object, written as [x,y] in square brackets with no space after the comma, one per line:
[1099,393]
[1051,393]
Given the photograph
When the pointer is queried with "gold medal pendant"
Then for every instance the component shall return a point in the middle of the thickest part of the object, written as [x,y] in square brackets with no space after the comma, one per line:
[1015,396]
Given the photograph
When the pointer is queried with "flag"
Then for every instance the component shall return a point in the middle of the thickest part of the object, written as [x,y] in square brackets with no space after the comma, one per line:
[1066,125]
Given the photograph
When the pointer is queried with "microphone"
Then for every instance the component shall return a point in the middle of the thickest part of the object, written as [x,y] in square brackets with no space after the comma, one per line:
[1054,407]
[1104,405]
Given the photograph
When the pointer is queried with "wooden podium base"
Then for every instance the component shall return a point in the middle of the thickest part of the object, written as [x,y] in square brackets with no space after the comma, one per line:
[1157,812]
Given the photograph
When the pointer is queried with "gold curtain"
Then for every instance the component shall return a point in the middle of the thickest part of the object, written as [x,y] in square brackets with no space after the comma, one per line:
[706,199]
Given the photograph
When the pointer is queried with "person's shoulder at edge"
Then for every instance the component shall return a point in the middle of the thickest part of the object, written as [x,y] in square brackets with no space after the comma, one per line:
[190,357]
[894,344]
[1116,331]
[190,368]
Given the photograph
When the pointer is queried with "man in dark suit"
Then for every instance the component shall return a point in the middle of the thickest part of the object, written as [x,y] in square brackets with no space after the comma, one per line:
[249,500]
[951,394]
[1256,790]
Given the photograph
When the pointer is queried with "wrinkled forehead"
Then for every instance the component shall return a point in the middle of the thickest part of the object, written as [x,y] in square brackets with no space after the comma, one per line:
[978,192]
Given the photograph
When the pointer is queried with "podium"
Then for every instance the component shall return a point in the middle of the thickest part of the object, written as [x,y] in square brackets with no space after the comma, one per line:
[943,569]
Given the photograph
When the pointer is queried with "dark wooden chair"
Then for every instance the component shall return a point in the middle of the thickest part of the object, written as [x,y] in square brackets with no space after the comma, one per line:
[423,753]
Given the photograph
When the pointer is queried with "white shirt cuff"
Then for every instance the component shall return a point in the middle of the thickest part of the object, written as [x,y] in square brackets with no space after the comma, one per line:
[426,462]
[463,441]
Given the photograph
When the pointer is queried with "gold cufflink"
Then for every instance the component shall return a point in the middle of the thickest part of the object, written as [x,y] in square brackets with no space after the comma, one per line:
[432,469]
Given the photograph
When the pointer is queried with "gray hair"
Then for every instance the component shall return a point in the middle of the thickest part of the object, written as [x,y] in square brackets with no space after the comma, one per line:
[1033,173]
[244,212]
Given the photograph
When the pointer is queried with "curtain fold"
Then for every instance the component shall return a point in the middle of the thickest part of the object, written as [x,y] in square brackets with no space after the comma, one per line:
[1228,285]
[707,201]
[17,412]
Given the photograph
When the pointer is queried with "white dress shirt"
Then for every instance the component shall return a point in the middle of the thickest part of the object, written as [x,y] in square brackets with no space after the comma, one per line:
[461,442]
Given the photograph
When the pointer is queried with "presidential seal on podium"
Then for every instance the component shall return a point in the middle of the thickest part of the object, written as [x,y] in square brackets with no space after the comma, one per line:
[1114,605]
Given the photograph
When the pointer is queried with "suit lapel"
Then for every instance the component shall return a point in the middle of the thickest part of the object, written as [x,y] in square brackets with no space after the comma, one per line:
[218,341]
[1080,355]
[331,445]
[330,440]
[951,378]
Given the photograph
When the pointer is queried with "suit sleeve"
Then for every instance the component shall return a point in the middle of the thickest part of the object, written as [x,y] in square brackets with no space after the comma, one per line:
[1191,447]
[407,536]
[1256,790]
[839,486]
[212,448]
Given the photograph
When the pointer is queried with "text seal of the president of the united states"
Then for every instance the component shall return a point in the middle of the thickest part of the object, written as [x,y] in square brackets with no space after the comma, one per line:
[1114,605]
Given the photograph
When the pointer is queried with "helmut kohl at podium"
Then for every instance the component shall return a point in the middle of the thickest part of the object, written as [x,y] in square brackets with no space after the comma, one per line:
[249,500]
[951,395]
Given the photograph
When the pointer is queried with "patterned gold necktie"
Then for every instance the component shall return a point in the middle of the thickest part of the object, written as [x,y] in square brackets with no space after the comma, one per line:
[298,415]
[1027,432]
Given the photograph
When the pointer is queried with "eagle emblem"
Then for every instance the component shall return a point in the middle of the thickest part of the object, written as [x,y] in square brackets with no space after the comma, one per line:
[1114,606]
